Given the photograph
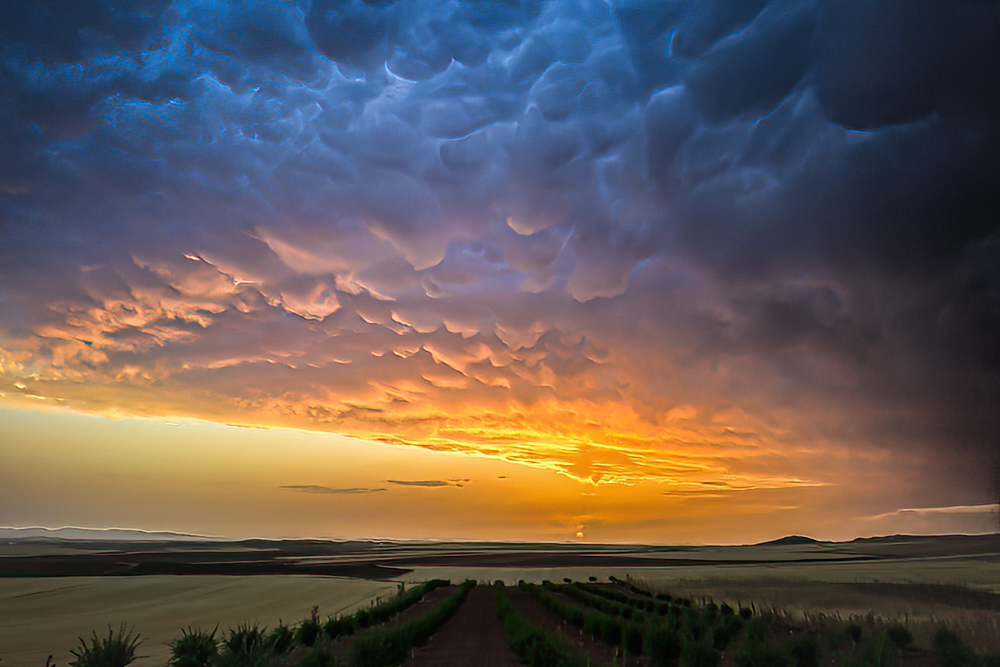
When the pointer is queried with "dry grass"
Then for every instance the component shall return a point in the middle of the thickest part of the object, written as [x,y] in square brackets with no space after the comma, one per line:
[39,617]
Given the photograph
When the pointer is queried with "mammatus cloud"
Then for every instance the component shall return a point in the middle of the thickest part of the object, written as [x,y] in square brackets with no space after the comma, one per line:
[314,488]
[631,242]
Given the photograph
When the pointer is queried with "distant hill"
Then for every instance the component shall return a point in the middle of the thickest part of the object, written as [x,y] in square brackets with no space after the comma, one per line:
[789,541]
[97,534]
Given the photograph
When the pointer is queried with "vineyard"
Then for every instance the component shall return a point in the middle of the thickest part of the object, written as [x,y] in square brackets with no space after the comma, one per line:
[570,624]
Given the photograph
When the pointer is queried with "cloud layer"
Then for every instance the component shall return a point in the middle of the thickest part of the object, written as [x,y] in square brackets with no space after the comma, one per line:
[678,241]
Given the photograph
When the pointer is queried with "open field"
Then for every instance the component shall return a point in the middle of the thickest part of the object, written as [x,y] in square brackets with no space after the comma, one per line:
[925,582]
[44,616]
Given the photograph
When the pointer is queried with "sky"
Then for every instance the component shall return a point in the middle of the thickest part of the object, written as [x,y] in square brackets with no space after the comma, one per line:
[636,270]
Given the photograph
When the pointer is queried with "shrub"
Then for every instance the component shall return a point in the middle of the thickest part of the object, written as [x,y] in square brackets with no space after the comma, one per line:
[246,646]
[854,632]
[880,653]
[117,650]
[757,653]
[803,650]
[338,627]
[899,635]
[592,625]
[195,648]
[611,631]
[633,637]
[746,613]
[726,631]
[363,618]
[663,645]
[757,629]
[950,649]
[726,610]
[281,639]
[696,654]
[309,629]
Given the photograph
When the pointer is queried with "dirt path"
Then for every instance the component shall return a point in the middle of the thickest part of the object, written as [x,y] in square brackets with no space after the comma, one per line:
[473,636]
[598,652]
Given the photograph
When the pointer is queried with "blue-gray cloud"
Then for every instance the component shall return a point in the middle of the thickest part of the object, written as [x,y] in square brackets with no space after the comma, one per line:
[785,203]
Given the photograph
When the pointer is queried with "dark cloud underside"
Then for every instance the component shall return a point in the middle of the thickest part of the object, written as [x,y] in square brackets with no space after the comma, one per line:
[367,216]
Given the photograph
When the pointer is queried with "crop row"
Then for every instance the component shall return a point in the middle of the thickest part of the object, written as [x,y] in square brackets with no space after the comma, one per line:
[376,615]
[532,646]
[390,645]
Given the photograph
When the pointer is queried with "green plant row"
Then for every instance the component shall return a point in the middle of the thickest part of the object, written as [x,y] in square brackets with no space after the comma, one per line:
[384,647]
[610,602]
[363,618]
[532,646]
[611,629]
[691,636]
[250,645]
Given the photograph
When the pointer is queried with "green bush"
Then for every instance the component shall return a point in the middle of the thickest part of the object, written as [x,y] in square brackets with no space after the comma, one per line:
[611,631]
[726,631]
[338,627]
[309,629]
[760,653]
[757,629]
[195,648]
[633,638]
[746,613]
[803,650]
[592,625]
[117,650]
[246,646]
[696,654]
[281,640]
[899,635]
[880,652]
[950,649]
[854,632]
[663,645]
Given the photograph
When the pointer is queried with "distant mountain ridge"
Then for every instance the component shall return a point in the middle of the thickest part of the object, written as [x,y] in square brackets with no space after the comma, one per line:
[99,534]
[790,541]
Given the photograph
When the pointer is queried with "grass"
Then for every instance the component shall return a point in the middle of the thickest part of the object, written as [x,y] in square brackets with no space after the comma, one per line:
[117,650]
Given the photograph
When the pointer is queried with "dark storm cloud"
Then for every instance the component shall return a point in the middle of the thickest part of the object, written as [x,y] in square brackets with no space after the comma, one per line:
[337,209]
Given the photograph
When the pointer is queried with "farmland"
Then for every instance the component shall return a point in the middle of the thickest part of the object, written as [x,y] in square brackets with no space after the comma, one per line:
[806,587]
